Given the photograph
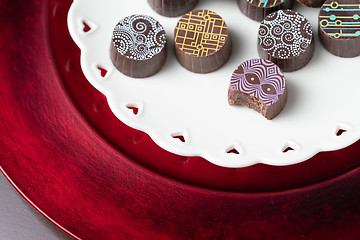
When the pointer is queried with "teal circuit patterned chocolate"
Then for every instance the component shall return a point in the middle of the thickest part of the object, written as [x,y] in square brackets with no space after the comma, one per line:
[339,27]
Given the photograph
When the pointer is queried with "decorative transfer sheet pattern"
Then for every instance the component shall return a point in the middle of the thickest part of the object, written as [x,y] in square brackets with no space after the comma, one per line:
[259,78]
[139,37]
[285,33]
[341,18]
[201,33]
[265,3]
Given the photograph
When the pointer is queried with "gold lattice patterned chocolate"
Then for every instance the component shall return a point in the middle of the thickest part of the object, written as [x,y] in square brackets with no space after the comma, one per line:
[202,41]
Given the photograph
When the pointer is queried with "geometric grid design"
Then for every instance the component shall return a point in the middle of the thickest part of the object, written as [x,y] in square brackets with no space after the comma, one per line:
[200,33]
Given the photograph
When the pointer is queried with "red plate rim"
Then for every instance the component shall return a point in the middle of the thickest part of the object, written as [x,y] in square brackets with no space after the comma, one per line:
[77,180]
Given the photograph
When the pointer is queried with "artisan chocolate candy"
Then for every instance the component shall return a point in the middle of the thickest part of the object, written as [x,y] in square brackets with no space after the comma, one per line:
[339,27]
[259,9]
[138,47]
[172,8]
[285,37]
[202,43]
[311,3]
[260,85]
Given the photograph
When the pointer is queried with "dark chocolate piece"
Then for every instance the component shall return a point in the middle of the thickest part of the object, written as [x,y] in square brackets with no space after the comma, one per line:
[311,3]
[202,43]
[260,85]
[138,47]
[285,37]
[259,9]
[172,8]
[339,27]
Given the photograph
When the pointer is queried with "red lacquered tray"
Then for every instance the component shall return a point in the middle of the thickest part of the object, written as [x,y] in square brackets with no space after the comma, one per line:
[98,179]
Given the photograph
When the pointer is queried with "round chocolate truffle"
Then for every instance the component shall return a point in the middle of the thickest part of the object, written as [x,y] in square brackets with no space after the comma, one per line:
[172,8]
[202,42]
[285,37]
[138,47]
[259,9]
[260,85]
[339,27]
[311,3]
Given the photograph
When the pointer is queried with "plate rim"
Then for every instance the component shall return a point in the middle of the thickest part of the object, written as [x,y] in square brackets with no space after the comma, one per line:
[159,180]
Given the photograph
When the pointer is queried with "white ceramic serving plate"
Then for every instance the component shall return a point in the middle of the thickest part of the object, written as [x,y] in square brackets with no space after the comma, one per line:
[323,97]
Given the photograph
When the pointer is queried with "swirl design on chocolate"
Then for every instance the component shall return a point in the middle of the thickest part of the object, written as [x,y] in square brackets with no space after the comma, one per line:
[285,34]
[259,78]
[139,37]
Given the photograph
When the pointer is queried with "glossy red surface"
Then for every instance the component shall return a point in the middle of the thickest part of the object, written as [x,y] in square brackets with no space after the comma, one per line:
[98,179]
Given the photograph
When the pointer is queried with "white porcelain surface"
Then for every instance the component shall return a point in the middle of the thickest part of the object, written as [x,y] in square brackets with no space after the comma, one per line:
[322,97]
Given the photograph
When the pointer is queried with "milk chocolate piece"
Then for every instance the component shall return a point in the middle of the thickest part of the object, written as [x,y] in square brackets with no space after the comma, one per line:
[172,8]
[260,85]
[259,9]
[202,43]
[311,3]
[285,37]
[138,47]
[339,27]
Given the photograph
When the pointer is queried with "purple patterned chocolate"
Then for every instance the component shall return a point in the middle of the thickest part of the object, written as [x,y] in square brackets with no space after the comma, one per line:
[260,85]
[259,78]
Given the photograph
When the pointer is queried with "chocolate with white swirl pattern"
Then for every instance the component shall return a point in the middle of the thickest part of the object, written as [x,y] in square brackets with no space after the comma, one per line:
[285,34]
[138,48]
[139,37]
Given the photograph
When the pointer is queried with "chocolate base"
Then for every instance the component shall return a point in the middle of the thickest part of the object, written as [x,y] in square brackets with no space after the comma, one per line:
[138,68]
[348,48]
[204,64]
[311,3]
[269,112]
[172,8]
[259,13]
[289,64]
